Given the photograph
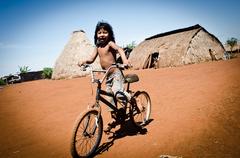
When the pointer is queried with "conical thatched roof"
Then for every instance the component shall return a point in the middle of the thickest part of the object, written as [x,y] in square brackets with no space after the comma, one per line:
[78,48]
[183,46]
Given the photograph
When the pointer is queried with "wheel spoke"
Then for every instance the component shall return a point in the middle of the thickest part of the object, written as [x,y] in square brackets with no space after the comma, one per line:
[88,135]
[141,110]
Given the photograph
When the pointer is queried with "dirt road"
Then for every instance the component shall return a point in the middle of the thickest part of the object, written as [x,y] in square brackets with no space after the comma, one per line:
[195,113]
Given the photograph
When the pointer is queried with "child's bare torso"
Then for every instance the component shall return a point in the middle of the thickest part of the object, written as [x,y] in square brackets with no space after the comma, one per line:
[107,56]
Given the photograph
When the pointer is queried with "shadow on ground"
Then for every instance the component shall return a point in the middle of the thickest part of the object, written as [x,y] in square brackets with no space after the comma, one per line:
[126,129]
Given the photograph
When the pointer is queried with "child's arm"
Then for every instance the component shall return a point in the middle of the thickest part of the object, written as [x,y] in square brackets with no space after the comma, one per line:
[90,60]
[121,52]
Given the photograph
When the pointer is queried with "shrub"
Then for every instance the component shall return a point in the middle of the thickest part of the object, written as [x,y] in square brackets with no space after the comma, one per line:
[232,42]
[131,45]
[24,69]
[2,82]
[47,72]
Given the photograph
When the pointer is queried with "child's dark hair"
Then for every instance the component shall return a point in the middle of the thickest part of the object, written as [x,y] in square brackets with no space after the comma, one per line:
[107,27]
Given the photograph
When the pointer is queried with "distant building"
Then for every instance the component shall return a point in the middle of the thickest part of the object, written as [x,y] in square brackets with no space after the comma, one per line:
[235,49]
[78,48]
[179,47]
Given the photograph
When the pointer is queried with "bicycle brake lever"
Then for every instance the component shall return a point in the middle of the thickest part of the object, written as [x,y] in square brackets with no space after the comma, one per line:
[84,67]
[126,66]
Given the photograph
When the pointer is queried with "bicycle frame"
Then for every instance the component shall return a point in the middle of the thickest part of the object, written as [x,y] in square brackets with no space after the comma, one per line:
[99,91]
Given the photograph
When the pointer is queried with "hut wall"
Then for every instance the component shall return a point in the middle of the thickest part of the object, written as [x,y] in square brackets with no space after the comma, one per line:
[203,47]
[174,47]
[140,54]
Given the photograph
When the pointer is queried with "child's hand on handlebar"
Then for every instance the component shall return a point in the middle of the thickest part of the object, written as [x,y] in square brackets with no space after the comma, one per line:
[124,66]
[81,63]
[127,64]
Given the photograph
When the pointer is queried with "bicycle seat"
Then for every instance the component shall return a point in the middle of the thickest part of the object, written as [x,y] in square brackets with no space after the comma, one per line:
[130,78]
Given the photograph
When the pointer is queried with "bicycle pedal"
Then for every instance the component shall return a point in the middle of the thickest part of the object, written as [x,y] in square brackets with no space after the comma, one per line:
[110,138]
[107,132]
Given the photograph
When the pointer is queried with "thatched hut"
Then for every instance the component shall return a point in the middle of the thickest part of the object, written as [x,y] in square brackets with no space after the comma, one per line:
[235,49]
[179,47]
[78,48]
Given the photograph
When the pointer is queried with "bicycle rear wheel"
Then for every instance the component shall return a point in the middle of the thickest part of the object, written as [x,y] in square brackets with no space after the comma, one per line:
[87,134]
[141,108]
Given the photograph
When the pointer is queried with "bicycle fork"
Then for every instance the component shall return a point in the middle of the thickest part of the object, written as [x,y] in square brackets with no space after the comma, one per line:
[93,130]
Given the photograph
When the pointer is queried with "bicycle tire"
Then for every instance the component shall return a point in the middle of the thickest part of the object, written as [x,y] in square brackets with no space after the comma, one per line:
[83,126]
[141,108]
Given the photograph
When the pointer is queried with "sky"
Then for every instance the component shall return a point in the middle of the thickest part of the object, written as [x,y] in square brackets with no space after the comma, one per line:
[33,33]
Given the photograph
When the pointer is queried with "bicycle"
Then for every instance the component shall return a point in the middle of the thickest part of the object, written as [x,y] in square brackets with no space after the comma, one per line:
[88,127]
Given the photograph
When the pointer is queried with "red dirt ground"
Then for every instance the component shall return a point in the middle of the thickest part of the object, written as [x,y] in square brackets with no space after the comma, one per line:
[195,112]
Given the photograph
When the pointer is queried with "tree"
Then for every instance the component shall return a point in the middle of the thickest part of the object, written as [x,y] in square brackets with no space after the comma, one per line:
[24,69]
[232,42]
[47,72]
[131,45]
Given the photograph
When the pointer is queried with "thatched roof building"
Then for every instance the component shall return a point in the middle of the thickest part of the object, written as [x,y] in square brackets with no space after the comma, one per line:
[78,48]
[235,49]
[179,47]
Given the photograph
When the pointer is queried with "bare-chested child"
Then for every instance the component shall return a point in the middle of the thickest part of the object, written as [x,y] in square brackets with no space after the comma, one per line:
[107,50]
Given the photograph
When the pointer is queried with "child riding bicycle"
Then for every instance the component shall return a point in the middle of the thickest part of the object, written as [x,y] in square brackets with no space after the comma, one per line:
[107,50]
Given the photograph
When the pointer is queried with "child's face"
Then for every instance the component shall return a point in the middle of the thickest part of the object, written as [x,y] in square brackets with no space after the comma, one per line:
[102,35]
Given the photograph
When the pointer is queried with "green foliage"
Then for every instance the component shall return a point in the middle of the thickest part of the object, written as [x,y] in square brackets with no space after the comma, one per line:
[47,72]
[232,42]
[131,45]
[2,82]
[24,69]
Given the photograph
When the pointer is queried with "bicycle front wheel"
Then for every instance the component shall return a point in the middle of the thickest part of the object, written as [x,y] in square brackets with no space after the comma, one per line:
[87,134]
[141,108]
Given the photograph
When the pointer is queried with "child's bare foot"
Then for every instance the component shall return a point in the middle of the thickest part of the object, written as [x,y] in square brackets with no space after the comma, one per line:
[109,126]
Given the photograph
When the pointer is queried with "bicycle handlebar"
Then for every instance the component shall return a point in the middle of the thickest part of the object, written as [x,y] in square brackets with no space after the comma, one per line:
[92,71]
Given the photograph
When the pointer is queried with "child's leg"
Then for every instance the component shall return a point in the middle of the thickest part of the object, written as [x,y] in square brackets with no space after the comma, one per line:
[109,90]
[114,83]
[118,83]
[112,123]
[118,87]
